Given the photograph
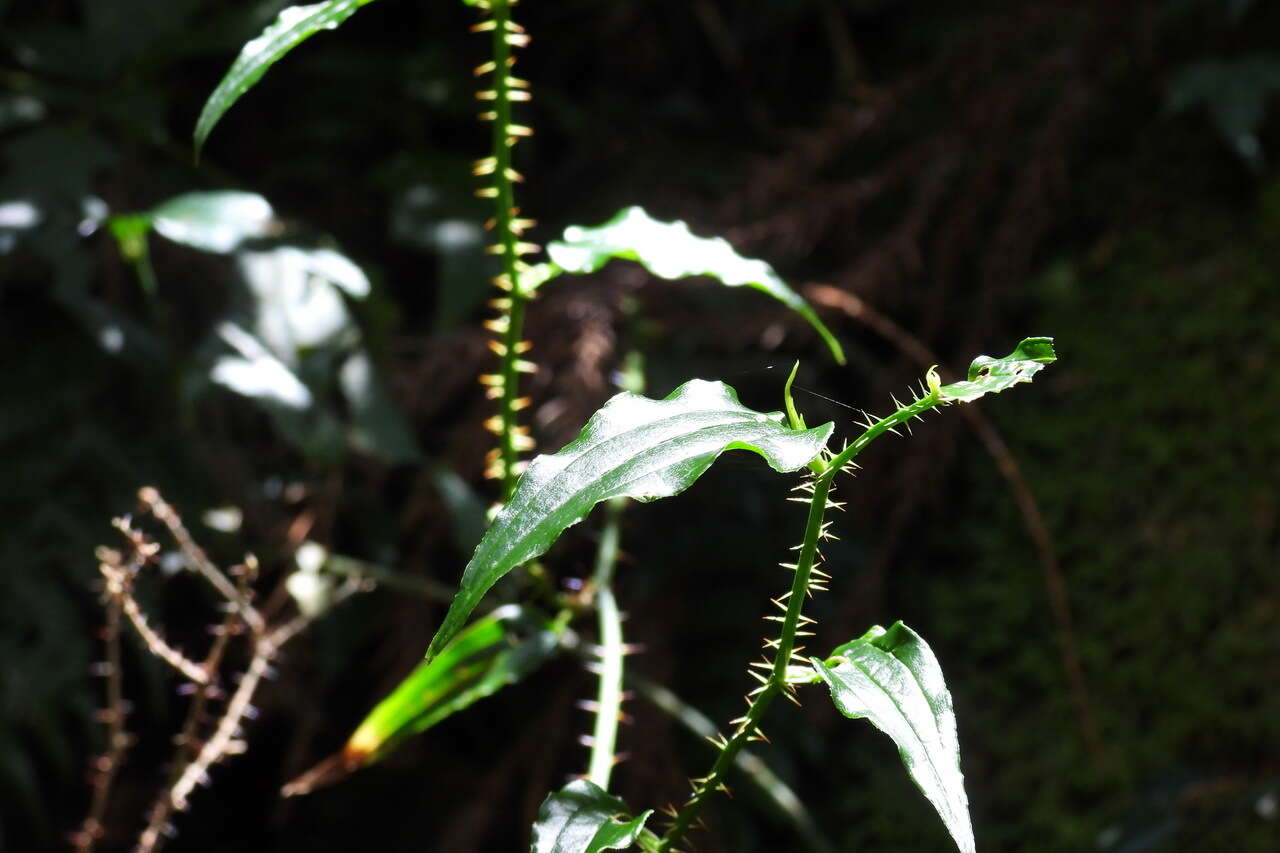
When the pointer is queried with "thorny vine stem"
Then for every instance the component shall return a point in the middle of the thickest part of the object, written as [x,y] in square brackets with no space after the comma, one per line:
[1008,467]
[776,683]
[512,438]
[772,686]
[783,797]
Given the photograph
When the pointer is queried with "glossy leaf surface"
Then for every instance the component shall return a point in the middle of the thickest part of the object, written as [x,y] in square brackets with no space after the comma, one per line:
[633,447]
[892,679]
[989,375]
[498,650]
[581,818]
[670,250]
[294,25]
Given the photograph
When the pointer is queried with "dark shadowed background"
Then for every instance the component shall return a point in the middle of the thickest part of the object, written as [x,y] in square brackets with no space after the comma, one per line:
[1102,592]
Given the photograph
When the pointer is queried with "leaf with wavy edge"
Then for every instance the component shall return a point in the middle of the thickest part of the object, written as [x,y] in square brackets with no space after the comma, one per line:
[669,250]
[989,375]
[633,447]
[582,818]
[294,25]
[893,679]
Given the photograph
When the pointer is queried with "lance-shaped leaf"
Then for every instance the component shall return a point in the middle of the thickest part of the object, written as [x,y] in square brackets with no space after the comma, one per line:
[581,818]
[670,250]
[893,680]
[989,375]
[496,651]
[294,25]
[633,447]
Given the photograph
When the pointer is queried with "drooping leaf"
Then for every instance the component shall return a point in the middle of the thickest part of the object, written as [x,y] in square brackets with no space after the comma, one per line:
[670,250]
[294,25]
[581,818]
[633,447]
[892,679]
[216,221]
[496,651]
[989,375]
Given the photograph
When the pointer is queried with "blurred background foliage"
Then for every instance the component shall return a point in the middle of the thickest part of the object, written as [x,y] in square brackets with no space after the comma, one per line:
[1098,171]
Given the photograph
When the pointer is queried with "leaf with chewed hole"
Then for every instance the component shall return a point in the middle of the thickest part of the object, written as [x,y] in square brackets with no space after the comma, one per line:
[989,375]
[633,447]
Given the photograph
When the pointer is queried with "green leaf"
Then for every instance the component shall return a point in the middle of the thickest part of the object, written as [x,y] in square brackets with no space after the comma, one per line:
[213,221]
[481,660]
[581,818]
[670,250]
[496,651]
[294,25]
[989,375]
[633,447]
[893,680]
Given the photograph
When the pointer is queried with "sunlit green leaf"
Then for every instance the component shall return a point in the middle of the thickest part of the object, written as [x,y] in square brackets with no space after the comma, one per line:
[581,818]
[670,250]
[892,679]
[989,375]
[295,25]
[213,221]
[496,651]
[633,447]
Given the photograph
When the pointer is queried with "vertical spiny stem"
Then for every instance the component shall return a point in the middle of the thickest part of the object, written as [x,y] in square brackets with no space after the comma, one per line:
[509,325]
[608,705]
[800,583]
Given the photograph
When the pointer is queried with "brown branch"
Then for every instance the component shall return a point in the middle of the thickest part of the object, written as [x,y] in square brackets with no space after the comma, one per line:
[199,560]
[162,807]
[118,582]
[106,765]
[225,740]
[1007,465]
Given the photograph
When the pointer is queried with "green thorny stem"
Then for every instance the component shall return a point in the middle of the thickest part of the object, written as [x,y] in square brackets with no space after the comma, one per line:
[507,226]
[807,577]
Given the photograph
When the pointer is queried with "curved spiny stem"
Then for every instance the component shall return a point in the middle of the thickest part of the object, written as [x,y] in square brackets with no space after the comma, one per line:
[807,578]
[774,683]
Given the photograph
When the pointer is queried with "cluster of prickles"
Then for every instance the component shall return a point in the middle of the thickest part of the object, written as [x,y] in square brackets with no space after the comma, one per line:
[508,227]
[766,672]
